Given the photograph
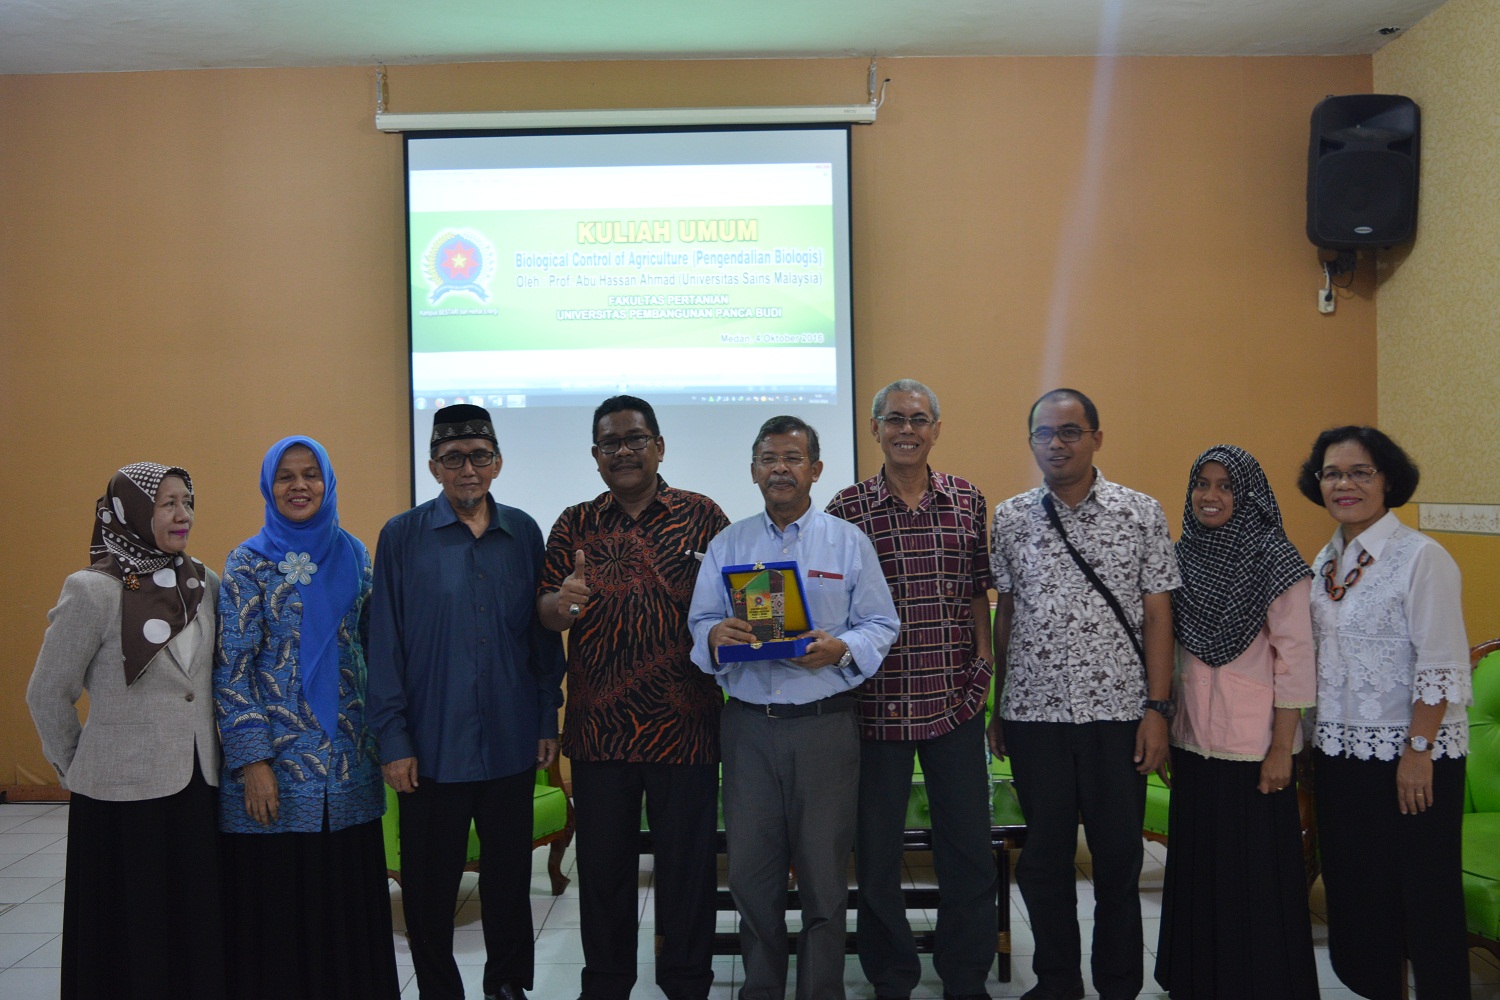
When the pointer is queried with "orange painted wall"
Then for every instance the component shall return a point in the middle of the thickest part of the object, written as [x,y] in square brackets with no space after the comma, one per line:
[194,264]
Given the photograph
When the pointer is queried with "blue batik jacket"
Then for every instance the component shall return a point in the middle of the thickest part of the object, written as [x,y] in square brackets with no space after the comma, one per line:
[263,715]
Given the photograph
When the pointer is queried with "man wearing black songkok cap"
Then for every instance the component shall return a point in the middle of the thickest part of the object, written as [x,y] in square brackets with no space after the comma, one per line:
[464,688]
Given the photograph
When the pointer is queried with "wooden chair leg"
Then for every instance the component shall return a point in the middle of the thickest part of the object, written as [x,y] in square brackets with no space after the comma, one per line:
[560,845]
[555,854]
[1002,892]
[554,866]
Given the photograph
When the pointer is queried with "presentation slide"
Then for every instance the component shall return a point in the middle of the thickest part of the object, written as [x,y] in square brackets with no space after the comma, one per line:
[706,271]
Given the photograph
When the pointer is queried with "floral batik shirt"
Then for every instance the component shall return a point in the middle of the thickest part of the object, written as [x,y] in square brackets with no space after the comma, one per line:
[1069,659]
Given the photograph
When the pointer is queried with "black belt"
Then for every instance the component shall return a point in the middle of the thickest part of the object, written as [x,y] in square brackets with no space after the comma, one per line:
[828,706]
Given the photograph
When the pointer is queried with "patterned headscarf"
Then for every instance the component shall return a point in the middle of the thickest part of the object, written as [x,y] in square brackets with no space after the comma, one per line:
[1232,573]
[161,591]
[320,559]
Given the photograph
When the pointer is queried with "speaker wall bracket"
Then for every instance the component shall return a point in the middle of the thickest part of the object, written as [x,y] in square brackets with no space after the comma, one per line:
[1342,262]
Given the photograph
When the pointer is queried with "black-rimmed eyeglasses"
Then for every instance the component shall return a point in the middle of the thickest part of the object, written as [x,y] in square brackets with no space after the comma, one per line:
[635,442]
[1067,434]
[456,459]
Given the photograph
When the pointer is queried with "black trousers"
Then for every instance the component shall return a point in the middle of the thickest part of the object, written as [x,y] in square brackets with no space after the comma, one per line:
[434,841]
[682,810]
[958,791]
[1394,882]
[1062,771]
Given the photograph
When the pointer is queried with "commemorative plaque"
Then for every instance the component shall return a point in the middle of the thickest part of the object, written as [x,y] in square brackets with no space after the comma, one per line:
[770,597]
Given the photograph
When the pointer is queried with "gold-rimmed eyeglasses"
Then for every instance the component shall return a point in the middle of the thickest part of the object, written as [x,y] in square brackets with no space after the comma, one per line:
[1360,475]
[899,421]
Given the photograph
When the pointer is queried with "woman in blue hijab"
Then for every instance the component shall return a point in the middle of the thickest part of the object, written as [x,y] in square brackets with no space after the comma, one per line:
[308,908]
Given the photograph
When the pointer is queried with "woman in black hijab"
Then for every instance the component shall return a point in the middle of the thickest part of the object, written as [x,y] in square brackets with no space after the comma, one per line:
[1234,922]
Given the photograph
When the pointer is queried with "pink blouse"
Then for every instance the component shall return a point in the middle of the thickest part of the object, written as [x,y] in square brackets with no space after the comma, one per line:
[1227,711]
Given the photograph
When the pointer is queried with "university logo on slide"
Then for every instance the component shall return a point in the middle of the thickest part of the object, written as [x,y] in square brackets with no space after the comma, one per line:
[459,261]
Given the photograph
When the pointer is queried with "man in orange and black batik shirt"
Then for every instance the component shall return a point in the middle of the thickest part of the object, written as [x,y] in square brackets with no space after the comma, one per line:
[641,718]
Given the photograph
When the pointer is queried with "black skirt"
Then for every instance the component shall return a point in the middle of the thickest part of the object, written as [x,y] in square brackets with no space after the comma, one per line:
[309,916]
[1234,920]
[142,911]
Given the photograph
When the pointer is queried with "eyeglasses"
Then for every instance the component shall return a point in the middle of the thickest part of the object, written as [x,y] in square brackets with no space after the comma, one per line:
[456,459]
[635,442]
[1360,475]
[1067,434]
[769,460]
[899,422]
[1335,592]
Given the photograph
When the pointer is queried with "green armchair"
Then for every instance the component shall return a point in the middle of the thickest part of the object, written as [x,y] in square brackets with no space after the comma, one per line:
[1481,830]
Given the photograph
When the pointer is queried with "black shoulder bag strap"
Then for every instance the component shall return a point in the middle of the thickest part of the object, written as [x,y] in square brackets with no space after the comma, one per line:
[1088,571]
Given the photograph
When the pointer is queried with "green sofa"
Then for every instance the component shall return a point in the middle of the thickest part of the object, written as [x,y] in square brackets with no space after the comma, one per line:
[551,825]
[1481,831]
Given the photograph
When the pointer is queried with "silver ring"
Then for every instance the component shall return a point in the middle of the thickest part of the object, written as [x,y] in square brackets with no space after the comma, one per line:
[574,610]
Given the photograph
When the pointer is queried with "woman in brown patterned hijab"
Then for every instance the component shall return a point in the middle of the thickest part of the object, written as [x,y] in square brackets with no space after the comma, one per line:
[142,911]
[141,527]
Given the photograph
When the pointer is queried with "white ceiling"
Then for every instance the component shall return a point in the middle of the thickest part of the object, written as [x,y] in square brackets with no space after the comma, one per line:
[70,36]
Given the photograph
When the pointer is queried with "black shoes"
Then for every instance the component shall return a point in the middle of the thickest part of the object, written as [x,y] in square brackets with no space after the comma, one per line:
[1040,992]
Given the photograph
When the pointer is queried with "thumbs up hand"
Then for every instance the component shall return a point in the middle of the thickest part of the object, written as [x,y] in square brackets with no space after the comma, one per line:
[573,598]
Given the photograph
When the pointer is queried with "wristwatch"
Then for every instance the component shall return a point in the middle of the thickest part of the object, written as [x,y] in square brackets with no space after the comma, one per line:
[1166,709]
[1420,744]
[847,658]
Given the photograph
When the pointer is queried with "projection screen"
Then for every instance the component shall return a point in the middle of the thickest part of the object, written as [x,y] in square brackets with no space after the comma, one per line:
[704,270]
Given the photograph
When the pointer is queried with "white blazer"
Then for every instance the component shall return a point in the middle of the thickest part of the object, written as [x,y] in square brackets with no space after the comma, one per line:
[139,740]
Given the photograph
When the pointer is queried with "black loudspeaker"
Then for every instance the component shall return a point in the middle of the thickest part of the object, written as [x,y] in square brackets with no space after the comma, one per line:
[1362,171]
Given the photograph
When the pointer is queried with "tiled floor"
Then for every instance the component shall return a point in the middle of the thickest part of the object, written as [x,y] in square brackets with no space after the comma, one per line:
[33,839]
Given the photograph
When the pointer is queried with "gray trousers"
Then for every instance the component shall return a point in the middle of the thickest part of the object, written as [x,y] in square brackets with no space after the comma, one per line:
[790,791]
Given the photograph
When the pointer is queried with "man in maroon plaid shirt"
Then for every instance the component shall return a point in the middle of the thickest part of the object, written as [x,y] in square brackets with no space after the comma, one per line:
[928,700]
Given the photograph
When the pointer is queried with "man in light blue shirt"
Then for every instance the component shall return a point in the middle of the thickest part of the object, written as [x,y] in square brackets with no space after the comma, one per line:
[789,741]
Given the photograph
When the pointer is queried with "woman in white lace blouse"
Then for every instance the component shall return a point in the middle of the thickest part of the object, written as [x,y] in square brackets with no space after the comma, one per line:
[1392,732]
